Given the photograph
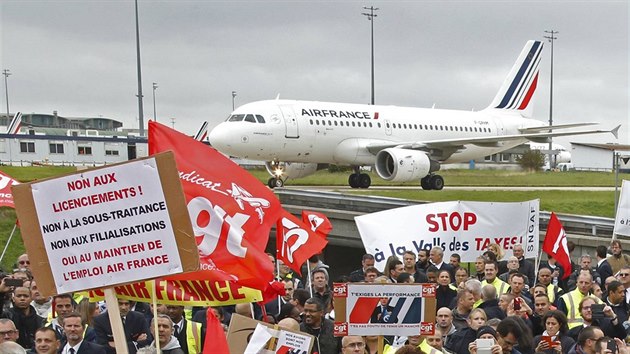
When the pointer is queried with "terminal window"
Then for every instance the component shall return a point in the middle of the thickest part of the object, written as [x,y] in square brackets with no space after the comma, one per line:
[85,150]
[27,146]
[56,148]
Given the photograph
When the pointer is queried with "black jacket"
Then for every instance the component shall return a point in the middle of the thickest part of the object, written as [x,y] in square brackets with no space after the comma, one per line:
[492,309]
[25,324]
[135,325]
[325,341]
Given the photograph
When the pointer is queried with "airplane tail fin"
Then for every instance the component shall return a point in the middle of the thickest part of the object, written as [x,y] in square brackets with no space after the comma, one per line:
[14,126]
[202,133]
[520,85]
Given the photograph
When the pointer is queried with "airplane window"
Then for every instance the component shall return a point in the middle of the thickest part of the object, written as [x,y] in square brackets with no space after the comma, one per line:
[236,117]
[364,125]
[431,127]
[399,126]
[441,128]
[379,124]
[250,118]
[335,123]
[451,128]
[260,118]
[317,121]
[311,121]
[415,126]
[353,124]
[386,124]
[475,129]
[323,122]
[347,124]
[426,127]
[370,124]
[329,123]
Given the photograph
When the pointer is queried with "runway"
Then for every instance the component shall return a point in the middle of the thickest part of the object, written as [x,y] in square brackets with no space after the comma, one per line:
[455,188]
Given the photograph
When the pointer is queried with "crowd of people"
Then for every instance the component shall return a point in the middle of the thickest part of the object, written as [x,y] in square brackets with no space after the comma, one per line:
[513,304]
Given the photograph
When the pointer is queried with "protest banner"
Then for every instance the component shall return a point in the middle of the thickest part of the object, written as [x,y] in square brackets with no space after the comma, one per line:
[242,328]
[365,309]
[184,292]
[622,217]
[466,228]
[107,226]
[6,197]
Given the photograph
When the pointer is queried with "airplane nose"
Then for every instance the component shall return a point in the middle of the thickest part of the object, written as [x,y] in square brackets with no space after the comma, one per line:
[218,137]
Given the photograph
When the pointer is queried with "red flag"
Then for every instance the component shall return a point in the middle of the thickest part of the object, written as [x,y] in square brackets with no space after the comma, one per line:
[555,244]
[295,242]
[6,196]
[216,341]
[230,210]
[317,221]
[275,289]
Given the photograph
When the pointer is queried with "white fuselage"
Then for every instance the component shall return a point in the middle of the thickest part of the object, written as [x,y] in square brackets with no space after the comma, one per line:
[323,132]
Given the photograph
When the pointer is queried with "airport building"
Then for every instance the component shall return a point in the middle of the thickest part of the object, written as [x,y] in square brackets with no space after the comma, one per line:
[49,139]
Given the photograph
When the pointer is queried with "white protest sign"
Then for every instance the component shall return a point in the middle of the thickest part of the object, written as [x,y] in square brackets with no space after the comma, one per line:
[291,342]
[622,217]
[466,228]
[106,226]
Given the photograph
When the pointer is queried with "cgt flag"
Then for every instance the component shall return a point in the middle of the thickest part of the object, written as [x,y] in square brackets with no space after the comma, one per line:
[317,221]
[6,197]
[231,211]
[295,242]
[555,244]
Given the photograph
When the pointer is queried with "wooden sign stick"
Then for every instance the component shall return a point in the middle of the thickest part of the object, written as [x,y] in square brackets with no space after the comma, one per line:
[120,340]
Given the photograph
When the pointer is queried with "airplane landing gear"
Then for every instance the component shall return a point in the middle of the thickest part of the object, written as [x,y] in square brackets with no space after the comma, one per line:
[275,182]
[359,180]
[432,182]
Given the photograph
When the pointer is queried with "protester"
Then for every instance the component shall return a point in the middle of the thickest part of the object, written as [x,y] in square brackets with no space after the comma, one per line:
[168,342]
[322,328]
[46,341]
[617,259]
[74,327]
[458,342]
[137,334]
[352,345]
[358,275]
[24,317]
[555,337]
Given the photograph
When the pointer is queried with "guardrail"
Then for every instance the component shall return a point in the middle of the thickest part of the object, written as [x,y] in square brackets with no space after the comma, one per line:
[573,224]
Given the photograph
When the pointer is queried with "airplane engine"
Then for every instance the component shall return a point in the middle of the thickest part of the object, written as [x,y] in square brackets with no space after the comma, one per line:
[291,170]
[402,165]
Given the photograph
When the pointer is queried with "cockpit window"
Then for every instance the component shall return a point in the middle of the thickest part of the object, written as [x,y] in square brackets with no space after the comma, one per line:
[260,118]
[236,117]
[250,118]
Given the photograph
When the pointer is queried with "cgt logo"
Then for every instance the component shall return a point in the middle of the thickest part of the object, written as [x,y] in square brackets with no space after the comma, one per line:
[340,290]
[427,328]
[428,290]
[340,329]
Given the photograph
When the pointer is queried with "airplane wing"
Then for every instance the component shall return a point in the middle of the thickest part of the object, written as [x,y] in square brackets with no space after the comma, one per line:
[547,128]
[448,147]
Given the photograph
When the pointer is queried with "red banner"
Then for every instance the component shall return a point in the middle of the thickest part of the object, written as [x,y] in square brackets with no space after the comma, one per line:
[555,244]
[317,221]
[230,210]
[6,196]
[295,242]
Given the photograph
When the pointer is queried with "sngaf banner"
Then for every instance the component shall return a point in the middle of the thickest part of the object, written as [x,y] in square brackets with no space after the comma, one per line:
[466,228]
[622,218]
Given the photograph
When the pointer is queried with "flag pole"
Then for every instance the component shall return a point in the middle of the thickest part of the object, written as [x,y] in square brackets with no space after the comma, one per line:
[278,277]
[155,314]
[308,269]
[8,242]
[538,260]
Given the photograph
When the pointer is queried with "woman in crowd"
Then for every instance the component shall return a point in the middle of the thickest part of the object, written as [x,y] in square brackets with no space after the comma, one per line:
[446,292]
[486,332]
[458,342]
[554,339]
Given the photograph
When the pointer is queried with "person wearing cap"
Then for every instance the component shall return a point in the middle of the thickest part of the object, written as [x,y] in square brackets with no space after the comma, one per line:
[486,332]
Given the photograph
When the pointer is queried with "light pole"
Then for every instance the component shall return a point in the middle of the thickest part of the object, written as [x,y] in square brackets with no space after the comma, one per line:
[6,74]
[233,97]
[155,85]
[370,17]
[140,108]
[551,37]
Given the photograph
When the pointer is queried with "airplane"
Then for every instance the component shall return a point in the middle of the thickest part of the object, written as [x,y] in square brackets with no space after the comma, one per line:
[560,154]
[297,138]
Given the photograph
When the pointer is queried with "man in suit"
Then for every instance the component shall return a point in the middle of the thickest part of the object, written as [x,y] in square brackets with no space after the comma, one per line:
[437,258]
[73,327]
[46,341]
[188,333]
[603,267]
[134,323]
[383,313]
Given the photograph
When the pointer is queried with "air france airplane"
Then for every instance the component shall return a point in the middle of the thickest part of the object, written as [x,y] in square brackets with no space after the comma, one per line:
[297,138]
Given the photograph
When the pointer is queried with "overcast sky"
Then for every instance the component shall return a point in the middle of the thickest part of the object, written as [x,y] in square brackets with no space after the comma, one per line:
[79,57]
